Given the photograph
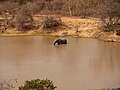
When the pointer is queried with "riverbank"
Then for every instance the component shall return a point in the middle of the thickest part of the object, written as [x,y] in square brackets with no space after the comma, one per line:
[74,26]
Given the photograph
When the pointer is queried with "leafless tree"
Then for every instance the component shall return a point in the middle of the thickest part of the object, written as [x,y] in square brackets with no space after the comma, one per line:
[24,19]
[109,14]
[8,11]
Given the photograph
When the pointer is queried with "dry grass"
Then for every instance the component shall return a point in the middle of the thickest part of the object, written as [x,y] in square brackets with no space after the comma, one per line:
[75,27]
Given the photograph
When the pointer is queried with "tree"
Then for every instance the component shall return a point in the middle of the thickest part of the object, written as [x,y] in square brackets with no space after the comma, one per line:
[8,11]
[24,19]
[109,14]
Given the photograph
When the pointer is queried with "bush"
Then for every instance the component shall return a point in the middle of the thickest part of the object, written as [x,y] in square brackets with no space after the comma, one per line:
[52,22]
[108,13]
[108,27]
[38,84]
[118,32]
[24,20]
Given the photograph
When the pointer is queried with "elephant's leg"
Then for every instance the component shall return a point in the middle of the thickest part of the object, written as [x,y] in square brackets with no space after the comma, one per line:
[60,41]
[65,41]
[54,43]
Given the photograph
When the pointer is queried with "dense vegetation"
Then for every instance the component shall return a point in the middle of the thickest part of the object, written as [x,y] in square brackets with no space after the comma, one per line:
[35,84]
[38,84]
[19,13]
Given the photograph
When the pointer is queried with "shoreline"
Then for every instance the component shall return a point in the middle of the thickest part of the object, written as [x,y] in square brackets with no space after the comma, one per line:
[76,27]
[61,34]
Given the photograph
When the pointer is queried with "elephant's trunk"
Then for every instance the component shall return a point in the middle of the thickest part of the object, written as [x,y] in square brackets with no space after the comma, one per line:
[55,43]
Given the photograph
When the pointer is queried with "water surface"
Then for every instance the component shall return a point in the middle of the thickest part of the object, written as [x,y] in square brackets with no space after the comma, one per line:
[82,64]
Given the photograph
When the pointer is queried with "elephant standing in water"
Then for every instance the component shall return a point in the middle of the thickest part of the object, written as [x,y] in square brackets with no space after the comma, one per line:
[60,41]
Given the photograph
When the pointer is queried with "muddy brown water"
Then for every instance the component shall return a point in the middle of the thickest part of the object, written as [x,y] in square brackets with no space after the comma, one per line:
[82,64]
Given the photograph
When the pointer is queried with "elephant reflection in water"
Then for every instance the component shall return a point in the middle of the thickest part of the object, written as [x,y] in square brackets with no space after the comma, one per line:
[60,41]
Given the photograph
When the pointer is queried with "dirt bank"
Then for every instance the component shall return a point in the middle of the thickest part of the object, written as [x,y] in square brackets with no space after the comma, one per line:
[75,27]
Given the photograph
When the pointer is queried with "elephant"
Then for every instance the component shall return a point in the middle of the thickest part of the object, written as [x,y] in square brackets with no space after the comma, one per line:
[60,41]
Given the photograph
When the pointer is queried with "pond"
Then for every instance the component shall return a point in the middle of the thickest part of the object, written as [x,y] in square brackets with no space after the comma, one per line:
[81,64]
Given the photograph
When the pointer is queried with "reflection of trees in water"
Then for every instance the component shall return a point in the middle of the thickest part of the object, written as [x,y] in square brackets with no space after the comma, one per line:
[66,56]
[92,62]
[105,64]
[47,40]
[107,57]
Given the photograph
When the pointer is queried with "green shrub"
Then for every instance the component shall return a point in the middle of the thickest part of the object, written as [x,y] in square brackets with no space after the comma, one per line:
[38,84]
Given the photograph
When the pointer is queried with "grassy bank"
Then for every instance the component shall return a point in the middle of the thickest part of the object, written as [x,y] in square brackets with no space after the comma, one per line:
[74,26]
